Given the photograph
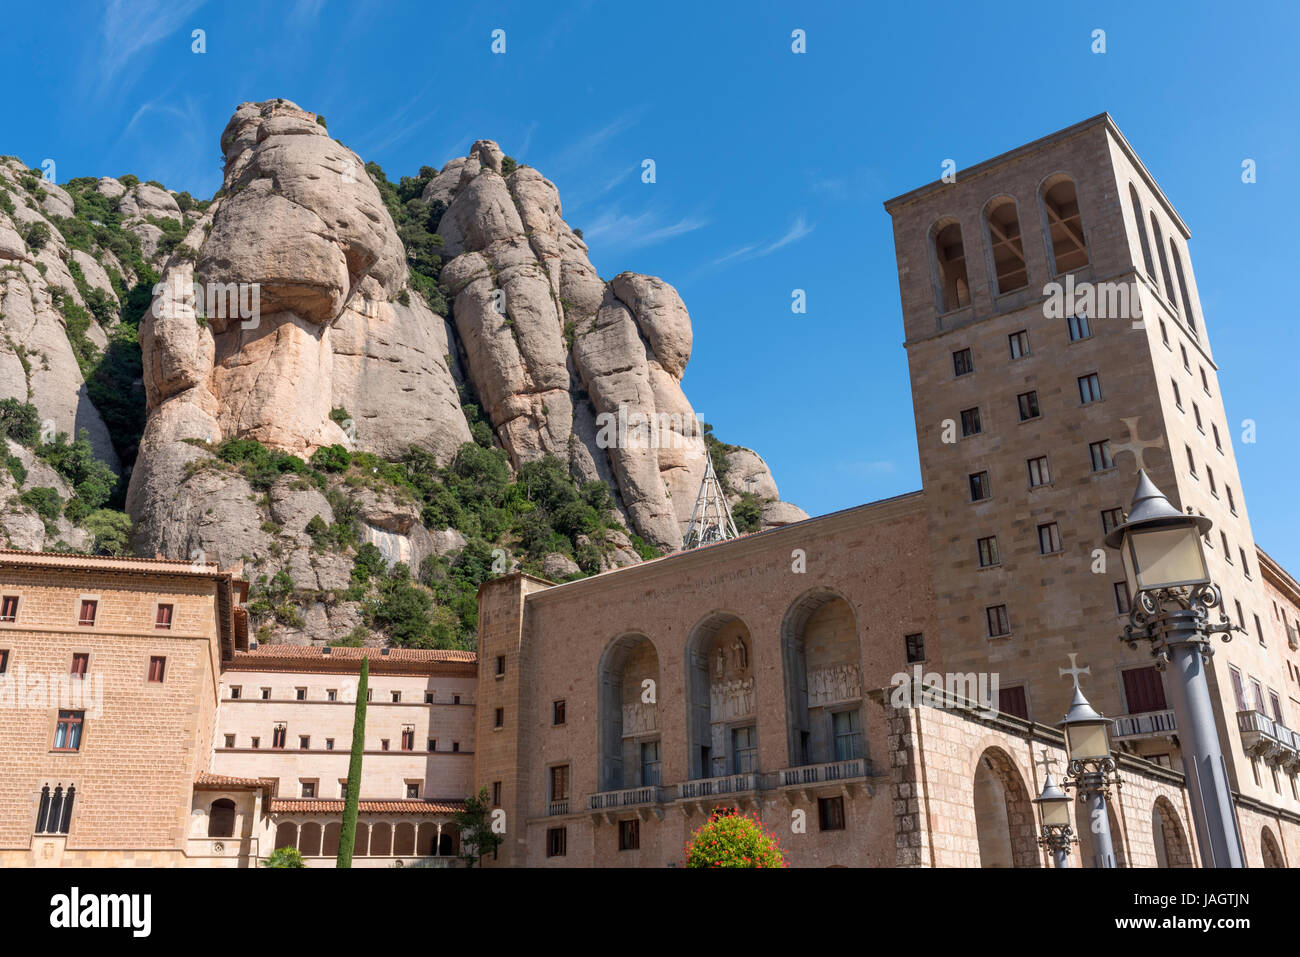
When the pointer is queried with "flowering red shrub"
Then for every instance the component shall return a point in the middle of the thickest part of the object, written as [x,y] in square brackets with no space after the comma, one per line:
[732,839]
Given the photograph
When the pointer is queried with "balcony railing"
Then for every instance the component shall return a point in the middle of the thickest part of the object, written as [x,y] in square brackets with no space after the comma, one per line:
[1293,637]
[627,797]
[1263,737]
[823,773]
[556,808]
[711,787]
[1145,725]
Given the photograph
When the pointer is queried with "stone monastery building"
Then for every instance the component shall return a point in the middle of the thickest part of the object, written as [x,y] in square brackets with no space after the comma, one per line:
[607,717]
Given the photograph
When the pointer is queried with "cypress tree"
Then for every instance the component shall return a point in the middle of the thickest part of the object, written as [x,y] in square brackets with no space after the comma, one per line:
[348,832]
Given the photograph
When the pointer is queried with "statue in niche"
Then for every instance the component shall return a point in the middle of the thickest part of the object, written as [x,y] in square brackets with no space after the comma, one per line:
[742,654]
[747,696]
[720,667]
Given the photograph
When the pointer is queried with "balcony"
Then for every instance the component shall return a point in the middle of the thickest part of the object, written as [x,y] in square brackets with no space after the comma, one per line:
[647,800]
[1293,638]
[1263,737]
[810,779]
[1149,724]
[557,808]
[740,789]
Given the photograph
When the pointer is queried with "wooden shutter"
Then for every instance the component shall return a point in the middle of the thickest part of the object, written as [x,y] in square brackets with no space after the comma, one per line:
[1144,690]
[1012,701]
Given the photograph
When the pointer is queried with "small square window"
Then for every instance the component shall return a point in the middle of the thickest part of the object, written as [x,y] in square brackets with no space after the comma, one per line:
[304,742]
[67,733]
[331,694]
[962,362]
[383,744]
[915,646]
[1049,538]
[970,422]
[235,691]
[300,694]
[1089,388]
[265,693]
[1019,342]
[163,617]
[455,746]
[556,842]
[1039,474]
[397,697]
[830,813]
[455,699]
[309,789]
[412,790]
[1099,452]
[998,621]
[80,662]
[1028,402]
[557,712]
[1123,601]
[343,789]
[89,608]
[230,740]
[256,743]
[988,551]
[157,665]
[979,486]
[629,835]
[9,608]
[433,744]
[329,744]
[1111,519]
[428,697]
[1079,328]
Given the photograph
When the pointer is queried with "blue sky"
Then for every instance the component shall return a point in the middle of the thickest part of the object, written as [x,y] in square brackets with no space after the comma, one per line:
[771,167]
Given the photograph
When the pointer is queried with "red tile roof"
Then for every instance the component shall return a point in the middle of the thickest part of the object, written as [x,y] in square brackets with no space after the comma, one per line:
[313,652]
[325,806]
[206,781]
[313,659]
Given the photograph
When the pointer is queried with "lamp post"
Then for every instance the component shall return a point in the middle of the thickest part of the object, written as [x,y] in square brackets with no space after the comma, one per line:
[1091,768]
[1172,598]
[1054,810]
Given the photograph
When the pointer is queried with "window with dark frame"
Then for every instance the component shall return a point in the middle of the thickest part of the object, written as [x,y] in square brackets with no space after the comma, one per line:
[157,666]
[979,486]
[163,617]
[278,736]
[1099,453]
[412,790]
[1144,690]
[830,813]
[557,712]
[501,665]
[408,739]
[970,422]
[998,621]
[988,551]
[1028,403]
[80,662]
[629,835]
[88,609]
[1079,328]
[962,362]
[54,812]
[67,732]
[9,608]
[556,842]
[1111,519]
[230,740]
[1019,344]
[1089,388]
[499,719]
[4,660]
[496,793]
[1013,701]
[309,789]
[915,647]
[1039,473]
[1049,538]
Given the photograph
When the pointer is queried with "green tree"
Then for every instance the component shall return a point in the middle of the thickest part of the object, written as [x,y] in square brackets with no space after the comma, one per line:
[478,839]
[20,421]
[284,857]
[732,839]
[348,832]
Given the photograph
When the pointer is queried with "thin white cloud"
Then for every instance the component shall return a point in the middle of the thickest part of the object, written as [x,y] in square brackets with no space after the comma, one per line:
[131,26]
[615,230]
[396,127]
[797,231]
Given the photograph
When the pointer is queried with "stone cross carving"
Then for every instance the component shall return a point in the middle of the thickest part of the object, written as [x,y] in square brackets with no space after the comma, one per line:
[1136,445]
[1046,762]
[1074,670]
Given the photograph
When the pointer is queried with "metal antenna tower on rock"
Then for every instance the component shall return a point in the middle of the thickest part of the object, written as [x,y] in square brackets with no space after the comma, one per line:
[711,519]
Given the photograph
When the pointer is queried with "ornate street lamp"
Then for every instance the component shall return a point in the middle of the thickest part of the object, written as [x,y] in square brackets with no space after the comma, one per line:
[1054,810]
[1091,768]
[1172,598]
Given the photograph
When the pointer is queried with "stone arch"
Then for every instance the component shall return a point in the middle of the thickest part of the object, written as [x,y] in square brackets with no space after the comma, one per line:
[823,683]
[1067,244]
[1004,818]
[721,697]
[381,839]
[404,840]
[221,818]
[1172,849]
[1005,243]
[309,840]
[948,261]
[628,727]
[286,835]
[361,844]
[330,844]
[1271,853]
